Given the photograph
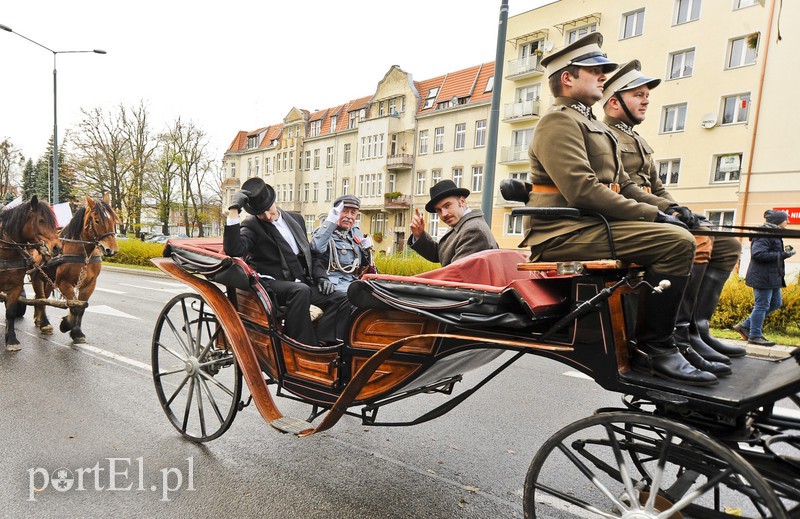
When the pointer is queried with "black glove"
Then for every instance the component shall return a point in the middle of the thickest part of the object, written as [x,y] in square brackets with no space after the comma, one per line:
[238,199]
[325,286]
[515,190]
[685,215]
[667,218]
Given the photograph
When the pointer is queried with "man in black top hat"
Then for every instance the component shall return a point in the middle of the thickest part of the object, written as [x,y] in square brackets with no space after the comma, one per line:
[468,234]
[276,246]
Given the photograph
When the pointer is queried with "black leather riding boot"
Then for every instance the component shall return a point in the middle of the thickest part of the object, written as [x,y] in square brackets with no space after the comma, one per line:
[699,335]
[655,352]
[682,326]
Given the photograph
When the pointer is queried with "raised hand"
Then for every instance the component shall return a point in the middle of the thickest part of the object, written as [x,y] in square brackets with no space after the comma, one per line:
[335,213]
[417,224]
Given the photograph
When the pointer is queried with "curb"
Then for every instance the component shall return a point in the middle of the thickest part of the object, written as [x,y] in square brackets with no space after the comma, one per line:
[141,272]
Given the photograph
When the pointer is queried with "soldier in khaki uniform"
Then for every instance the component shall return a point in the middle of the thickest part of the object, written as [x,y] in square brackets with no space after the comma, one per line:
[626,96]
[575,162]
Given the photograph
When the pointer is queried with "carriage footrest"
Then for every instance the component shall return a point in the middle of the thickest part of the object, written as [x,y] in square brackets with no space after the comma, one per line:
[291,425]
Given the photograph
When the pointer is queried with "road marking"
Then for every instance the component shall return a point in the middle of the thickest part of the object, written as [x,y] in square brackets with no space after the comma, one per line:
[110,291]
[577,374]
[112,355]
[107,310]
[169,283]
[158,289]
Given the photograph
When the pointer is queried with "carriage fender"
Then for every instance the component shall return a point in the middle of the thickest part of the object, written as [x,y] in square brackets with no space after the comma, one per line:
[234,329]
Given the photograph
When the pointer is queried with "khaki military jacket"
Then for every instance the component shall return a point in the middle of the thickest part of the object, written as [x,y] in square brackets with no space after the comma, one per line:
[637,158]
[580,157]
[470,235]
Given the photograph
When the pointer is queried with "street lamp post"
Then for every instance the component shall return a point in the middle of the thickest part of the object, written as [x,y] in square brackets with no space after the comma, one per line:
[55,99]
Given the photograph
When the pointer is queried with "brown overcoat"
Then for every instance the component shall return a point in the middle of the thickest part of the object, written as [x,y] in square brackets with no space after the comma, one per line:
[470,235]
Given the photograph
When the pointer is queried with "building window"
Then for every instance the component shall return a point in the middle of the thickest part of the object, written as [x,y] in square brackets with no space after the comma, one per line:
[436,176]
[291,160]
[334,121]
[632,24]
[233,170]
[399,219]
[378,222]
[489,85]
[346,158]
[728,167]
[461,136]
[735,108]
[720,218]
[311,223]
[681,64]
[290,192]
[329,160]
[673,118]
[249,168]
[345,186]
[430,98]
[477,179]
[266,166]
[328,190]
[480,133]
[421,182]
[520,141]
[742,51]
[438,139]
[520,175]
[423,142]
[433,225]
[305,192]
[314,128]
[458,176]
[741,4]
[669,171]
[315,192]
[686,11]
[308,160]
[512,225]
[352,122]
[391,183]
[580,32]
[316,158]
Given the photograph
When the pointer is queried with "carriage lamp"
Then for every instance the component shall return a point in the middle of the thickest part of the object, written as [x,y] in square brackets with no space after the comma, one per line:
[55,99]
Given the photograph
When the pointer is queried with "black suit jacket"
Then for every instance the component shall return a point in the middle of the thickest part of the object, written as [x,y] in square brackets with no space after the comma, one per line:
[250,239]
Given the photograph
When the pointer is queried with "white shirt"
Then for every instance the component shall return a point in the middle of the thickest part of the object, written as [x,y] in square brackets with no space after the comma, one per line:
[283,228]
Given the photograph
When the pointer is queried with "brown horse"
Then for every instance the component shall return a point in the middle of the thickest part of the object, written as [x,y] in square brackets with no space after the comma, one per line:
[88,236]
[27,237]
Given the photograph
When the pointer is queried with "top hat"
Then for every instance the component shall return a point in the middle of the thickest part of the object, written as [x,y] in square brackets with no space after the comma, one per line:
[584,52]
[260,196]
[443,189]
[348,201]
[627,78]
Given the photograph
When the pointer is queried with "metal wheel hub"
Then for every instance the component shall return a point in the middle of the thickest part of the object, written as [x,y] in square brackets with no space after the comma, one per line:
[191,366]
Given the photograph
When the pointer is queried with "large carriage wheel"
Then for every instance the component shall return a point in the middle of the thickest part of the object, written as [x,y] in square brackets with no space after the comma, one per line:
[608,465]
[197,379]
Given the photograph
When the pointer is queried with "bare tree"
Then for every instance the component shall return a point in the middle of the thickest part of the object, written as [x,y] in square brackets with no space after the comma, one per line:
[11,160]
[161,182]
[140,148]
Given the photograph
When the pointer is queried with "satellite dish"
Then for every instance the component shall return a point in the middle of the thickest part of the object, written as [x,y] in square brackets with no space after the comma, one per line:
[454,100]
[548,46]
[709,120]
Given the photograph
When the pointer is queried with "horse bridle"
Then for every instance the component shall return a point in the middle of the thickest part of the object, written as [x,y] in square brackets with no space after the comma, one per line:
[97,237]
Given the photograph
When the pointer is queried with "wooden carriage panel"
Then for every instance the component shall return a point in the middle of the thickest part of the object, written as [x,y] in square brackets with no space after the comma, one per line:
[262,344]
[250,308]
[391,375]
[374,329]
[321,368]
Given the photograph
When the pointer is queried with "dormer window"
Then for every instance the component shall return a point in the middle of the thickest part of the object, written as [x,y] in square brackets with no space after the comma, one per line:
[430,98]
[252,141]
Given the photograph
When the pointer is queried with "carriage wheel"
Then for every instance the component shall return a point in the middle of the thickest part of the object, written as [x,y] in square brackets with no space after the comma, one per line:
[197,379]
[593,468]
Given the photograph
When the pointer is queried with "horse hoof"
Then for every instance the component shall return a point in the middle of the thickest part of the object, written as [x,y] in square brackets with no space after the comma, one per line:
[47,329]
[13,347]
[79,340]
[64,327]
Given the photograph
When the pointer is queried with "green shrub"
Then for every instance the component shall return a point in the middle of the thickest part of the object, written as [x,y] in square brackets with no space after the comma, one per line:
[736,303]
[137,252]
[400,264]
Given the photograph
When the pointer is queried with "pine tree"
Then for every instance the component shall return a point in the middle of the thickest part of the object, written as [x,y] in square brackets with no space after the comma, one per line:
[28,180]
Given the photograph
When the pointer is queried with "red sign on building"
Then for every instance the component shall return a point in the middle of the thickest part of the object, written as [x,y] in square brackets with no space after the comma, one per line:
[793,212]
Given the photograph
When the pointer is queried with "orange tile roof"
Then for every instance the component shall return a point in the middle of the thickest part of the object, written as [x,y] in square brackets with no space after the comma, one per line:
[479,93]
[239,142]
[425,86]
[458,84]
[330,112]
[273,133]
[358,104]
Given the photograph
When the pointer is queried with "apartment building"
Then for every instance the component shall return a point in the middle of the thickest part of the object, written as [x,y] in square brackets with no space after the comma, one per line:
[387,148]
[718,122]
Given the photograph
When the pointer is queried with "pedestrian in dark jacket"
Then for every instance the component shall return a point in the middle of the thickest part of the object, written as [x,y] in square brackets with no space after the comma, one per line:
[765,275]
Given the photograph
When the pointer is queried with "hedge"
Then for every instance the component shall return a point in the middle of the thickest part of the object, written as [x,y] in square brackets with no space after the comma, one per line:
[736,302]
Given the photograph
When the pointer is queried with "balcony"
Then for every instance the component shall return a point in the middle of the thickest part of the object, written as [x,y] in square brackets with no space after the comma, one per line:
[521,111]
[513,154]
[401,161]
[397,202]
[524,68]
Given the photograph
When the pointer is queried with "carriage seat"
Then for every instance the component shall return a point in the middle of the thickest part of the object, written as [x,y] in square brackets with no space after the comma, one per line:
[484,289]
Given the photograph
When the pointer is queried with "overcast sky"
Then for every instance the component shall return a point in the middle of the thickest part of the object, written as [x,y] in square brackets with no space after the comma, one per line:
[226,66]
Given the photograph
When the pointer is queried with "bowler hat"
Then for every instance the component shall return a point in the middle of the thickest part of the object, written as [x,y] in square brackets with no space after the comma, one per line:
[584,52]
[348,201]
[627,78]
[260,195]
[443,189]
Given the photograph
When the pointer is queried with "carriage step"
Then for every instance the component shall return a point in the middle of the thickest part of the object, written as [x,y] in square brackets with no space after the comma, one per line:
[288,424]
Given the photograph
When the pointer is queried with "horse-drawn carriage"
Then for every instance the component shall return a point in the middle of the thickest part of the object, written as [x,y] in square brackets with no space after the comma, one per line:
[670,450]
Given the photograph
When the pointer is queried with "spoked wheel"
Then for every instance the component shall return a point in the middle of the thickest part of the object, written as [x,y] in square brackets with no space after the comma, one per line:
[197,379]
[638,466]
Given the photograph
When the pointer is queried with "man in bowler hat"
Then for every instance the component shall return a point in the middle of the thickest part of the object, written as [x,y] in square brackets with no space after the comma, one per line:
[575,162]
[275,245]
[469,233]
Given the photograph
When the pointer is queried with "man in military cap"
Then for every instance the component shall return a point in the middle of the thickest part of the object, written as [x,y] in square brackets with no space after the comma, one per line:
[340,243]
[275,245]
[626,97]
[575,162]
[469,233]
